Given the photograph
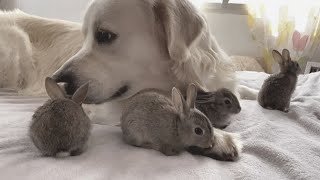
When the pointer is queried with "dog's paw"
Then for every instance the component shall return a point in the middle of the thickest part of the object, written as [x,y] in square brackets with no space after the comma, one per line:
[232,149]
[227,146]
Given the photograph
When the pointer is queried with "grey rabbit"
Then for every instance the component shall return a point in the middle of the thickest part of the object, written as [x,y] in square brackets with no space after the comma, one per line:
[154,121]
[277,90]
[218,106]
[61,125]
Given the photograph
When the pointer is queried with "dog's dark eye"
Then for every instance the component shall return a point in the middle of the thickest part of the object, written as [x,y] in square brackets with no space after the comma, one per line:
[227,101]
[198,131]
[105,37]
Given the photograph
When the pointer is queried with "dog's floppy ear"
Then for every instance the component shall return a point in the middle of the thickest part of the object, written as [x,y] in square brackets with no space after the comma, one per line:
[182,25]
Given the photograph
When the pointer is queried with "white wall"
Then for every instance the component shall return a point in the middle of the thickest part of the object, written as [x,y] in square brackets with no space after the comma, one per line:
[233,34]
[231,30]
[72,10]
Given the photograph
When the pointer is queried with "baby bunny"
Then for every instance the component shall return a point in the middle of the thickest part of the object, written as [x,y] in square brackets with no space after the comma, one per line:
[218,106]
[277,89]
[151,120]
[61,125]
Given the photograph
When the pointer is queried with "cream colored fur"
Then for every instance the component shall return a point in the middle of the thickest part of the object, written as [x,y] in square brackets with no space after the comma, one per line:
[32,48]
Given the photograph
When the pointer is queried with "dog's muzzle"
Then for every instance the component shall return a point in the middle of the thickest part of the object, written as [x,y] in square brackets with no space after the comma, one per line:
[70,81]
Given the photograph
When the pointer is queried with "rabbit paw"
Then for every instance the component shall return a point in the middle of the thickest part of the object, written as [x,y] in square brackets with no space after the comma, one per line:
[76,152]
[79,151]
[286,109]
[169,150]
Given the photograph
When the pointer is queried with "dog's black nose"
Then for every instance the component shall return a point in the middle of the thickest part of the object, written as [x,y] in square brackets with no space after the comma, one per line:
[68,78]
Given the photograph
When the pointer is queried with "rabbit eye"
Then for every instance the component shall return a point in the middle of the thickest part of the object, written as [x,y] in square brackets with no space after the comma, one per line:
[198,131]
[227,101]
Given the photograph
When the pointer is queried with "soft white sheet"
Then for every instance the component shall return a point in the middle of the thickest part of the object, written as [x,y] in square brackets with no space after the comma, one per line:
[276,145]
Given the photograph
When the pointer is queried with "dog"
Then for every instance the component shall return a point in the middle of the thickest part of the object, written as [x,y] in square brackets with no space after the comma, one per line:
[32,48]
[123,47]
[154,43]
[131,45]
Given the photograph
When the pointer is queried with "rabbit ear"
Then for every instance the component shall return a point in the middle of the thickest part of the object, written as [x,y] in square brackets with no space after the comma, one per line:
[204,97]
[191,96]
[286,54]
[53,90]
[178,102]
[81,94]
[277,56]
[204,100]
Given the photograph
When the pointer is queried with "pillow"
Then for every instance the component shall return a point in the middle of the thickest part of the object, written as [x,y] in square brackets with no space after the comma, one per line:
[245,63]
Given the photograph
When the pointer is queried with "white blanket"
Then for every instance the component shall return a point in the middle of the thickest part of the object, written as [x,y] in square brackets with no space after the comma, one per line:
[277,145]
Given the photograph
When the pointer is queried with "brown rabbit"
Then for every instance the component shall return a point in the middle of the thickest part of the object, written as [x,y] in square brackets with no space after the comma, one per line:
[277,89]
[218,106]
[152,120]
[60,125]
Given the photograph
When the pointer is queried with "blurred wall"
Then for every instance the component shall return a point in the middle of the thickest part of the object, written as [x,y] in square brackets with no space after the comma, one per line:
[72,10]
[7,4]
[231,30]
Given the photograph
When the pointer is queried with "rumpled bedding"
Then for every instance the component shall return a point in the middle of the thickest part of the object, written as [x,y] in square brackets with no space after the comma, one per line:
[277,145]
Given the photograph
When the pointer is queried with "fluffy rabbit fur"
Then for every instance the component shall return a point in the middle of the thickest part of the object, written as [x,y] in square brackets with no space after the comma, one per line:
[277,89]
[61,125]
[218,106]
[152,120]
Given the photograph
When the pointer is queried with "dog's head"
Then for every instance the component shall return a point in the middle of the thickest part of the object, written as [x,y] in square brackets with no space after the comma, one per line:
[130,45]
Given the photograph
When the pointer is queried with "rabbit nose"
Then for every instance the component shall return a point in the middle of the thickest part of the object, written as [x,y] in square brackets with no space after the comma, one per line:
[210,145]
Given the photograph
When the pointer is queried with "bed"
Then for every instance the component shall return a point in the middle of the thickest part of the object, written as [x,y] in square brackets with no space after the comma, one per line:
[277,145]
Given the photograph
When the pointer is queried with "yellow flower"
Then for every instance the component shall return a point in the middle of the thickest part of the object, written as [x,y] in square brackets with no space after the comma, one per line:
[251,21]
[268,60]
[285,29]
